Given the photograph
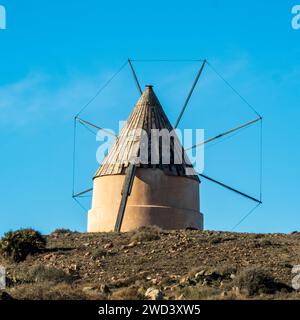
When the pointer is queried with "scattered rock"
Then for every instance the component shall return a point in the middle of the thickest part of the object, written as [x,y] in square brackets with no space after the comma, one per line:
[132,244]
[199,274]
[153,294]
[154,281]
[197,267]
[88,289]
[108,245]
[49,256]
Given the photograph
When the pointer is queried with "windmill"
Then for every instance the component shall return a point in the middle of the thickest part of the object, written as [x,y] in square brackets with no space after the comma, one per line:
[129,193]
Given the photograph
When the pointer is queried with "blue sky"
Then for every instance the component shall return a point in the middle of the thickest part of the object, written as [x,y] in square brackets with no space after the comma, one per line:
[55,55]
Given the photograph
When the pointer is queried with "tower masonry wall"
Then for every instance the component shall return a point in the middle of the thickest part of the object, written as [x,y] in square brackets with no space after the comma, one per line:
[170,202]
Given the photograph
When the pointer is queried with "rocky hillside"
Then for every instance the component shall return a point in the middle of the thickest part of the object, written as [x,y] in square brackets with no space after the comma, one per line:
[153,264]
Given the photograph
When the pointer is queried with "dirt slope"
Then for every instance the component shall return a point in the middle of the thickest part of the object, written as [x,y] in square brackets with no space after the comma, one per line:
[183,264]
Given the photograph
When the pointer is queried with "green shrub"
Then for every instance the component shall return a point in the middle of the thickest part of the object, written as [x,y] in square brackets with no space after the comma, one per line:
[62,231]
[17,245]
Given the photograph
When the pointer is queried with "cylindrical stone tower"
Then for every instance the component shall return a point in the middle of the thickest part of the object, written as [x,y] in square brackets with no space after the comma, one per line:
[163,193]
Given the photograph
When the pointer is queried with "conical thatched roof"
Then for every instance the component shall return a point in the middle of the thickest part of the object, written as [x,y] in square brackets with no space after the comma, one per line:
[148,114]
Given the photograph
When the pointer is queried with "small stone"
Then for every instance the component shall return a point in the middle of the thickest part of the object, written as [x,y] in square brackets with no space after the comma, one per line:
[153,294]
[88,289]
[184,280]
[108,246]
[48,256]
[74,267]
[132,244]
[199,275]
[236,290]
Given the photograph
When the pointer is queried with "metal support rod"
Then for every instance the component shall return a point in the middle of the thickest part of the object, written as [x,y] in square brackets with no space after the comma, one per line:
[96,127]
[135,77]
[82,192]
[126,190]
[225,133]
[190,94]
[230,188]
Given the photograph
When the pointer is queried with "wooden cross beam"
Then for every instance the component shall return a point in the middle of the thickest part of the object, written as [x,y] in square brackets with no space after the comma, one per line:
[135,77]
[190,94]
[230,188]
[225,133]
[126,191]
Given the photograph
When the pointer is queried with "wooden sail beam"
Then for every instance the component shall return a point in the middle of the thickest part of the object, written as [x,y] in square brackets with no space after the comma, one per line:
[126,191]
[82,193]
[135,77]
[230,188]
[225,133]
[95,127]
[190,94]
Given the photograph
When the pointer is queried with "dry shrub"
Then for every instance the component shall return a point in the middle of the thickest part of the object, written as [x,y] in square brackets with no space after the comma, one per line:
[265,242]
[200,293]
[227,270]
[295,235]
[216,240]
[100,253]
[146,233]
[49,274]
[129,293]
[46,291]
[256,281]
[224,271]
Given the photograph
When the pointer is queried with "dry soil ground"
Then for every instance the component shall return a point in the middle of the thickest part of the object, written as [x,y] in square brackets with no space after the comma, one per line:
[156,264]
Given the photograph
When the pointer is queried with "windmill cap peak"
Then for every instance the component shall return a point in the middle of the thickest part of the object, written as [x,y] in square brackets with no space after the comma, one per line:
[148,97]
